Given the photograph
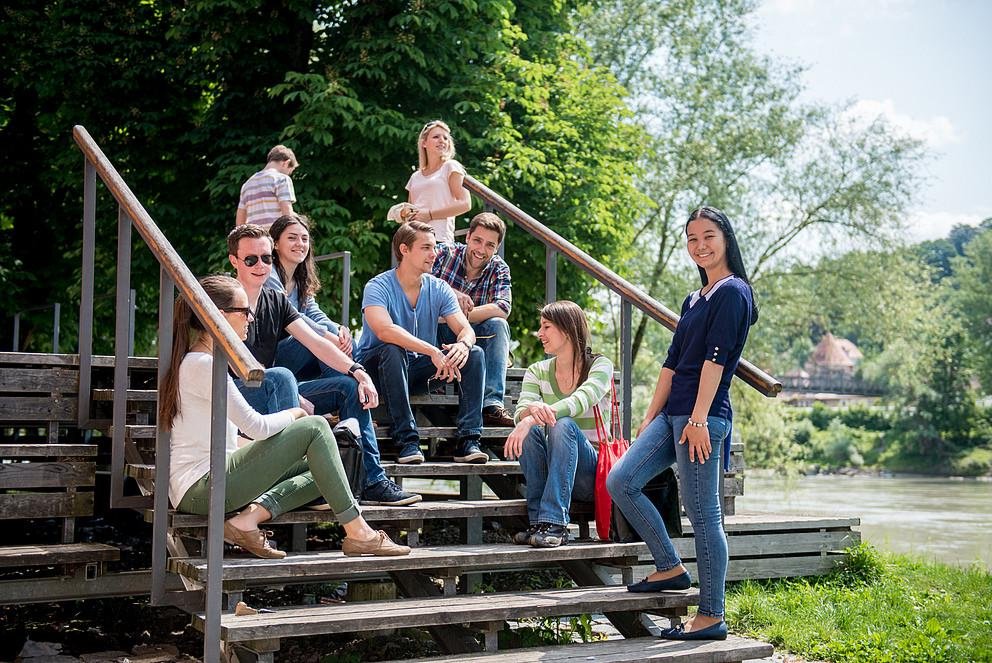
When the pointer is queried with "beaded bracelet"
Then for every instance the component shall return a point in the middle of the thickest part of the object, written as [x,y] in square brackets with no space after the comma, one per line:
[697,424]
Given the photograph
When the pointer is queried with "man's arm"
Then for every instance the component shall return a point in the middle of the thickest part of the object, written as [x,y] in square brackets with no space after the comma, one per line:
[459,326]
[331,355]
[482,313]
[382,325]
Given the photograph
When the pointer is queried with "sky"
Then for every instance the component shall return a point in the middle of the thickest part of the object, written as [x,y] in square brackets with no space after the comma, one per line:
[926,65]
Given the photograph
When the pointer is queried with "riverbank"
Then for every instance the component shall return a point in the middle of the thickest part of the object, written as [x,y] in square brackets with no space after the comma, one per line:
[879,607]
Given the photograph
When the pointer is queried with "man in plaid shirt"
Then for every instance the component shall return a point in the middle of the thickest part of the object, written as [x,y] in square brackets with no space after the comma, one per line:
[481,281]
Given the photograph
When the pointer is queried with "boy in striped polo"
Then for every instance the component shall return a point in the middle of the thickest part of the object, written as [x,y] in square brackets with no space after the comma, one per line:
[269,194]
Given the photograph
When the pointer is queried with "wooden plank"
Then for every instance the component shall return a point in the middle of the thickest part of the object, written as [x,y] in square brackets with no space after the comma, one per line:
[68,553]
[45,505]
[425,559]
[383,432]
[47,450]
[464,609]
[763,568]
[734,648]
[435,469]
[48,359]
[137,395]
[47,475]
[37,408]
[32,380]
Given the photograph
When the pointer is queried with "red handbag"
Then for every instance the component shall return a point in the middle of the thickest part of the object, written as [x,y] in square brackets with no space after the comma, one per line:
[611,447]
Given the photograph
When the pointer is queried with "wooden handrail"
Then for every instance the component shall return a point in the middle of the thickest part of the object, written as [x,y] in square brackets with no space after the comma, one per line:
[244,364]
[746,371]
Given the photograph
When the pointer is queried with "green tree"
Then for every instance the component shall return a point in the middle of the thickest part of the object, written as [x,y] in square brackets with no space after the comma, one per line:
[972,275]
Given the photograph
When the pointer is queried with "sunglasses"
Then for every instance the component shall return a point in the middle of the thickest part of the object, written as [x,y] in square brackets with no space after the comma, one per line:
[244,310]
[251,261]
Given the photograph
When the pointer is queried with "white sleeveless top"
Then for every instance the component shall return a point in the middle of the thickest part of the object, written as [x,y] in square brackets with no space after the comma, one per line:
[431,192]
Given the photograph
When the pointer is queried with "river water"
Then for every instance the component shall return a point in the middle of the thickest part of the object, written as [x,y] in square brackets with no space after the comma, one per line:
[949,520]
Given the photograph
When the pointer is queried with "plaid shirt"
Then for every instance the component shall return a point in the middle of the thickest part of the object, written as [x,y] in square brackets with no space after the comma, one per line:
[491,287]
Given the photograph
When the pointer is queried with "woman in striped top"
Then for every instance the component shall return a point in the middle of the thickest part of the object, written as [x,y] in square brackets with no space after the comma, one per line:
[555,437]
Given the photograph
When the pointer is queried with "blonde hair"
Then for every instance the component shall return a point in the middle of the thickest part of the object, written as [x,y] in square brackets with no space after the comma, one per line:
[422,151]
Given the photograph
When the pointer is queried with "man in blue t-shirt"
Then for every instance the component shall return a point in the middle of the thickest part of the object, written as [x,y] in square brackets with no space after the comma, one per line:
[399,345]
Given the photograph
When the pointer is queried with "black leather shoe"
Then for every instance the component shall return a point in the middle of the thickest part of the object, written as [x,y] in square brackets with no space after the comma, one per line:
[681,581]
[717,631]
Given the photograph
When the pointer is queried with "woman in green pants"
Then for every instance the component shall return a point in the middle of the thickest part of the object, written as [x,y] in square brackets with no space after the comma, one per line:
[291,460]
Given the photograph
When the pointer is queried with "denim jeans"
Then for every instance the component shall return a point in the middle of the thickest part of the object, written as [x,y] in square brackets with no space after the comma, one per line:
[334,392]
[557,466]
[293,355]
[277,392]
[656,449]
[493,336]
[274,473]
[398,374]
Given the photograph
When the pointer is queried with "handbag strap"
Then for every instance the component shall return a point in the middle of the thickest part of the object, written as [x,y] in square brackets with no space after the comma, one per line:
[600,425]
[615,425]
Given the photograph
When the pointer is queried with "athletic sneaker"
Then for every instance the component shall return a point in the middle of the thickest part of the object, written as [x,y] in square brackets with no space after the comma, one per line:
[550,536]
[469,452]
[411,454]
[387,493]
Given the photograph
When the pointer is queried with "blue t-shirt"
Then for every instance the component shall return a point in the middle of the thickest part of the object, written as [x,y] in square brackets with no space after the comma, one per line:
[713,328]
[436,300]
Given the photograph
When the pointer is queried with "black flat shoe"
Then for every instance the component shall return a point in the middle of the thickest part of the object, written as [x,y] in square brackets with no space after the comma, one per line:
[681,581]
[717,631]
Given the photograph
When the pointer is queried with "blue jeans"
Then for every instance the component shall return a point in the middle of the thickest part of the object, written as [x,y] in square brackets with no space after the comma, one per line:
[556,467]
[293,355]
[398,374]
[493,336]
[699,484]
[277,392]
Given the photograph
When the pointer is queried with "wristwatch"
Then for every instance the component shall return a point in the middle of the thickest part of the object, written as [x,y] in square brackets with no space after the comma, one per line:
[355,367]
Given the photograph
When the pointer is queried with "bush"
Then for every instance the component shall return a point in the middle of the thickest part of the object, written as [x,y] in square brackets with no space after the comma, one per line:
[862,566]
[973,463]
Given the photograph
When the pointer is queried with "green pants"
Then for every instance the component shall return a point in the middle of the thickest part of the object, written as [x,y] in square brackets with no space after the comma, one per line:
[274,473]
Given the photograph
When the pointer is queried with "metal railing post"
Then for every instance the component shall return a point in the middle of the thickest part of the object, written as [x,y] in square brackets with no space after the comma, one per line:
[215,517]
[86,294]
[550,275]
[121,356]
[17,332]
[345,288]
[626,361]
[56,324]
[163,438]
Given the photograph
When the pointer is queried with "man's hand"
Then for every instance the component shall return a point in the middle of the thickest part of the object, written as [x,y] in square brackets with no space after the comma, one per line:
[446,369]
[306,405]
[465,302]
[456,353]
[367,395]
[344,340]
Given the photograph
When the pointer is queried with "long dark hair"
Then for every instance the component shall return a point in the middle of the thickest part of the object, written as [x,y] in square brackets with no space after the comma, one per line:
[305,274]
[569,318]
[186,329]
[734,260]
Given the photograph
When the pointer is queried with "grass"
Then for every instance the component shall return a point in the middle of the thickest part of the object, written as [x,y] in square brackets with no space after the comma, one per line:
[880,608]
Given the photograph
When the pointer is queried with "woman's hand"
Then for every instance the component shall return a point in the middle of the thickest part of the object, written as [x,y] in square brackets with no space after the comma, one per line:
[344,340]
[306,405]
[420,214]
[698,439]
[515,442]
[298,412]
[542,413]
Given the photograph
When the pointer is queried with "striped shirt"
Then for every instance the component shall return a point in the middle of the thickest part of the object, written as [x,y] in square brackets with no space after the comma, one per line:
[262,193]
[540,385]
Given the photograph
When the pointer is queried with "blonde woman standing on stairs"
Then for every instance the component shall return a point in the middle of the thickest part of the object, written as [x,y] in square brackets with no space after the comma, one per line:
[292,460]
[436,191]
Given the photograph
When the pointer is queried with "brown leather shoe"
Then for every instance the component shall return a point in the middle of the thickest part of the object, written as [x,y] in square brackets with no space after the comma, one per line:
[497,416]
[380,546]
[255,541]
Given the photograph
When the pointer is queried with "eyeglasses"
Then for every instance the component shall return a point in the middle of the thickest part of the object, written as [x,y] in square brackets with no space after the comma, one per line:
[251,261]
[243,310]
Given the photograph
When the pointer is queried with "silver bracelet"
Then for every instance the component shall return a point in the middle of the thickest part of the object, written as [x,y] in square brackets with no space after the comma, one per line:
[697,424]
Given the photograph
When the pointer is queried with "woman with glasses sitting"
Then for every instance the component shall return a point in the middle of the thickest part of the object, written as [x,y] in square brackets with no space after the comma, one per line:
[436,191]
[292,459]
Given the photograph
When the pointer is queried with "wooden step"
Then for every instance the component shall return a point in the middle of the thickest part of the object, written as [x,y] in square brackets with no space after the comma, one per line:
[142,395]
[65,553]
[382,615]
[448,560]
[434,469]
[46,450]
[734,648]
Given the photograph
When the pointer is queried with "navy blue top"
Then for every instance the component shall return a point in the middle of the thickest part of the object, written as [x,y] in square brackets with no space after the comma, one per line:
[712,328]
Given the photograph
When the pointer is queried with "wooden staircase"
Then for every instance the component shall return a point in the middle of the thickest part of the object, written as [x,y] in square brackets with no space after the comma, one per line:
[435,582]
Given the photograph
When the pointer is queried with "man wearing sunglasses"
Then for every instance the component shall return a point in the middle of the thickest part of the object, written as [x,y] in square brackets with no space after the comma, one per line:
[343,385]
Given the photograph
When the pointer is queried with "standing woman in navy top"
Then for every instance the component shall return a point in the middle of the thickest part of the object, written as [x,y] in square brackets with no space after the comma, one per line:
[688,423]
